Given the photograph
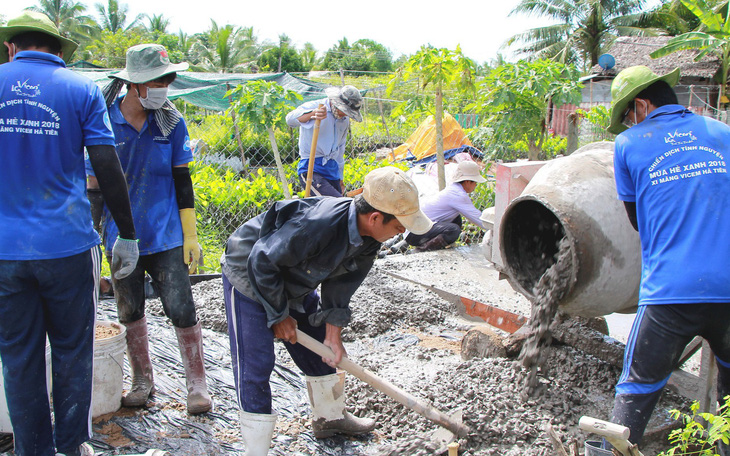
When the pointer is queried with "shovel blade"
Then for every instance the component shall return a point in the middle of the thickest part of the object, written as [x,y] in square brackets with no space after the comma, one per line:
[442,436]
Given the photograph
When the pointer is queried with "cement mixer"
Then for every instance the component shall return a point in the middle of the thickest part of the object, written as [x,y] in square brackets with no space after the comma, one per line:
[574,197]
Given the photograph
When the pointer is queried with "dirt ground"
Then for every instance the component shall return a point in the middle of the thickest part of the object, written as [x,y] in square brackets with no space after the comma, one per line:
[405,334]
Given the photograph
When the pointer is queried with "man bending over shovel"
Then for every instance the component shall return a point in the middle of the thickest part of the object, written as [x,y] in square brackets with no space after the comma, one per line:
[272,267]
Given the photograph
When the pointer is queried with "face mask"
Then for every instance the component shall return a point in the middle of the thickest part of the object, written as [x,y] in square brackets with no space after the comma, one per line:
[156,97]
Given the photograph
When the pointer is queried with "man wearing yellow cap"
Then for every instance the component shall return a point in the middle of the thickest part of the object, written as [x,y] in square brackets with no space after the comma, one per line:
[49,251]
[671,171]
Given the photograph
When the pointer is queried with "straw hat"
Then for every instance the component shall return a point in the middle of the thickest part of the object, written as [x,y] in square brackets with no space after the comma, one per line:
[147,62]
[31,21]
[627,85]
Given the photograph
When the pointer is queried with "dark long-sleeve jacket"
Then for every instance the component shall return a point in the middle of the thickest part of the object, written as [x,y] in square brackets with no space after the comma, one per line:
[280,256]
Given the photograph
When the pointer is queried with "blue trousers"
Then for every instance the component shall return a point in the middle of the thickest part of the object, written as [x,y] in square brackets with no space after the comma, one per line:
[252,347]
[322,186]
[55,299]
[656,341]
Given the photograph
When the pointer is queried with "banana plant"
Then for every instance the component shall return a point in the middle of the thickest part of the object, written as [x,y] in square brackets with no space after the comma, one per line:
[711,38]
[264,105]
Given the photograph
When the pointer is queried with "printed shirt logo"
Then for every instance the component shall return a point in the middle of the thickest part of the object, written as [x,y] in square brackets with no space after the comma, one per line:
[676,138]
[186,145]
[24,89]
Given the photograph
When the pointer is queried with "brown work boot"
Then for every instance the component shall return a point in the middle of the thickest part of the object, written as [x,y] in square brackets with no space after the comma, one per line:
[139,359]
[329,417]
[190,341]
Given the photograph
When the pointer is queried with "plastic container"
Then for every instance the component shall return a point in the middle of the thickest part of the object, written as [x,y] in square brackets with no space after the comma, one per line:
[5,425]
[106,396]
[593,448]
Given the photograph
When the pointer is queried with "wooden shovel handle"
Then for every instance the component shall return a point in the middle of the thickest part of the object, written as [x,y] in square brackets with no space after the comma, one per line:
[382,385]
[312,153]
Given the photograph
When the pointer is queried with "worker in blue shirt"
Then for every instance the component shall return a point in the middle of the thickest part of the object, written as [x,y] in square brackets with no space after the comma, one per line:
[671,171]
[49,251]
[334,114]
[154,149]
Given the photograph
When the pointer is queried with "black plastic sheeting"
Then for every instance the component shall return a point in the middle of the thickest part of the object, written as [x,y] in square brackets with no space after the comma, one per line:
[165,424]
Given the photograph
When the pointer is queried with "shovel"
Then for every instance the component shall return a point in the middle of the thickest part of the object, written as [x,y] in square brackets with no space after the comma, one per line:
[452,424]
[615,434]
[312,153]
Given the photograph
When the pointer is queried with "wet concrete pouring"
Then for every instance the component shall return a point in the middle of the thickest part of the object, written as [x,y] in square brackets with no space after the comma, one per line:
[405,334]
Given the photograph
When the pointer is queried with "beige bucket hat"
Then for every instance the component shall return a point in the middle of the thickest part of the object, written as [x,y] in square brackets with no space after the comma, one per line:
[468,171]
[147,62]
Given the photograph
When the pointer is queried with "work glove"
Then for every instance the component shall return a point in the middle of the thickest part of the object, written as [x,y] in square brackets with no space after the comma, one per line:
[125,254]
[191,248]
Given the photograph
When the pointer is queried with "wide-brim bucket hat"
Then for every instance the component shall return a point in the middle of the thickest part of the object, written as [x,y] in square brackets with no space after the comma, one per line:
[627,85]
[347,99]
[32,21]
[147,62]
[468,171]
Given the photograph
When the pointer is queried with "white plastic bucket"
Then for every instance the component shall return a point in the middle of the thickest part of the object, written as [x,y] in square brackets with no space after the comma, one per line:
[106,396]
[5,425]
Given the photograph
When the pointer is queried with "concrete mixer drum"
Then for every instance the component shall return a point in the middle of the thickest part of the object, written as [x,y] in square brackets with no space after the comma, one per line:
[574,197]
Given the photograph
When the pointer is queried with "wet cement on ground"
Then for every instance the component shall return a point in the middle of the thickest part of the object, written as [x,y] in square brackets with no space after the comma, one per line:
[406,335]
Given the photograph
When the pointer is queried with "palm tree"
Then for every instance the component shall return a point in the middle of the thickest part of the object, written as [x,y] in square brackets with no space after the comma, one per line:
[225,49]
[157,24]
[309,56]
[585,29]
[69,17]
[114,16]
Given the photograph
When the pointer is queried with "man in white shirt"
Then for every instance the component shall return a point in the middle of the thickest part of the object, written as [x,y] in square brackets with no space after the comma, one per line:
[446,208]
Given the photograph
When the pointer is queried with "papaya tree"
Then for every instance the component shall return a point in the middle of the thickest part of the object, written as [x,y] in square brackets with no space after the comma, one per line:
[438,69]
[264,105]
[516,99]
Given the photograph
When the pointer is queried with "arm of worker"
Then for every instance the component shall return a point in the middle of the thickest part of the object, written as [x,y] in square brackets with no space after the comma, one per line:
[631,212]
[464,206]
[186,205]
[113,187]
[305,113]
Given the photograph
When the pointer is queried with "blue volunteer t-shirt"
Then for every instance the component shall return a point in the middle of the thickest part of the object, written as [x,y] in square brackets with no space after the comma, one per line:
[674,165]
[47,115]
[147,158]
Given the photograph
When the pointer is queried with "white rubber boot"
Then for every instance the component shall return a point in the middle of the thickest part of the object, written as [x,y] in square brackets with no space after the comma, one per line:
[257,430]
[329,417]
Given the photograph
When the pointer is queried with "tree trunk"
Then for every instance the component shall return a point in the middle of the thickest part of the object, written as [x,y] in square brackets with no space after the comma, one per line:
[440,138]
[237,132]
[279,166]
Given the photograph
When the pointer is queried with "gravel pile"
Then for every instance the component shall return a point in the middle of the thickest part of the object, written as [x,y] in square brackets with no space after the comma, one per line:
[411,337]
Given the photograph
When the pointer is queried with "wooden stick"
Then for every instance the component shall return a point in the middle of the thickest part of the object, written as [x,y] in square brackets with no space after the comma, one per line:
[557,443]
[312,153]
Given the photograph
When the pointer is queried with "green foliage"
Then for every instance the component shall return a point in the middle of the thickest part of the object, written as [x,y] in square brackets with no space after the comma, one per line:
[110,49]
[291,60]
[363,56]
[696,438]
[515,97]
[263,104]
[599,116]
[712,40]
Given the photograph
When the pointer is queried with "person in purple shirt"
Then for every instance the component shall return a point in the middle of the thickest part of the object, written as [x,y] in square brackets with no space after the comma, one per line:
[447,207]
[49,252]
